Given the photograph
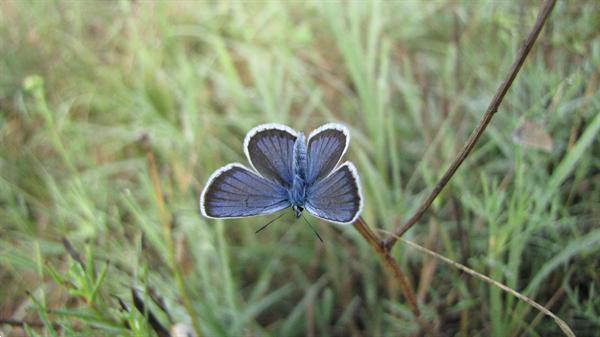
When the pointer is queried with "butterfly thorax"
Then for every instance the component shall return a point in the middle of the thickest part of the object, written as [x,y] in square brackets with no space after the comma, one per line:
[297,192]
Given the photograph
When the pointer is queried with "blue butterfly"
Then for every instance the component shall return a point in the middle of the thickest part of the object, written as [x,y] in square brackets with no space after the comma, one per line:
[288,172]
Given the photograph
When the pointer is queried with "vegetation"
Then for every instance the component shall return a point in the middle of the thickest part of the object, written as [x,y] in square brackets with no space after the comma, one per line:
[114,114]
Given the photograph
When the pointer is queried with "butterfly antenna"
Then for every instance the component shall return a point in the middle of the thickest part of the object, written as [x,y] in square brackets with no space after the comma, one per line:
[270,222]
[311,227]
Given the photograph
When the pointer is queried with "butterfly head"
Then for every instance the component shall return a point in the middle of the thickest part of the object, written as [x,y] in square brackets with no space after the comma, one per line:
[297,210]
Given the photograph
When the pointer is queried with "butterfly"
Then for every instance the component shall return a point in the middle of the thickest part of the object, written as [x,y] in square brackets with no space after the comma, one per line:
[288,170]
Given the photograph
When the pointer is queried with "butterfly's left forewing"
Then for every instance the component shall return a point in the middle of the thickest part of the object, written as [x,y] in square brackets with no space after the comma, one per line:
[337,197]
[234,191]
[270,148]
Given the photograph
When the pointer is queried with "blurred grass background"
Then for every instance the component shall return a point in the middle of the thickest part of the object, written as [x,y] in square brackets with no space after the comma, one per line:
[82,82]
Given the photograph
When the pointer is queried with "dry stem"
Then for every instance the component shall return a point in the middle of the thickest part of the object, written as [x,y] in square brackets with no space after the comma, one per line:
[481,126]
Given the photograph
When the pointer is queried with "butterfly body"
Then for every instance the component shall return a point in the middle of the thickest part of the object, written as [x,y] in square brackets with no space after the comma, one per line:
[289,171]
[297,192]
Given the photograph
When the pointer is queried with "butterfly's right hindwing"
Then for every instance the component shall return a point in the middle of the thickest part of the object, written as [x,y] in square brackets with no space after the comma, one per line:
[337,197]
[234,191]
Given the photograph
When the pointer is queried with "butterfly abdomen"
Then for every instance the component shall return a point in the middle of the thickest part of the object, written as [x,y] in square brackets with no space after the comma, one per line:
[297,191]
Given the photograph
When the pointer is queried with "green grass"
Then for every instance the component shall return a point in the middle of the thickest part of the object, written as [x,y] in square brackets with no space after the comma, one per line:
[81,83]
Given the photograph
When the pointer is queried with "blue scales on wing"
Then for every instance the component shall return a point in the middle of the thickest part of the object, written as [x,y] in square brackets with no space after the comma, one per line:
[235,191]
[337,197]
[326,146]
[269,149]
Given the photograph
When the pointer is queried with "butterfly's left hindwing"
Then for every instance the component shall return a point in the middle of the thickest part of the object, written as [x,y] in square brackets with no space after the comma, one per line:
[337,197]
[234,191]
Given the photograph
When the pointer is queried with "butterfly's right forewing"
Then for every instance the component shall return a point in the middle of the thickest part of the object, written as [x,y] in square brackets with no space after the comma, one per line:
[234,191]
[326,146]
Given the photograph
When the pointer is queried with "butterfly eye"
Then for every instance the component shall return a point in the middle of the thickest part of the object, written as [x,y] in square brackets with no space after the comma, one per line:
[297,210]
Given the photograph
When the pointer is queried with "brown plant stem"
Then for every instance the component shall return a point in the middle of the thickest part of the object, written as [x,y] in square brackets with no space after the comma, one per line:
[561,324]
[389,263]
[481,126]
